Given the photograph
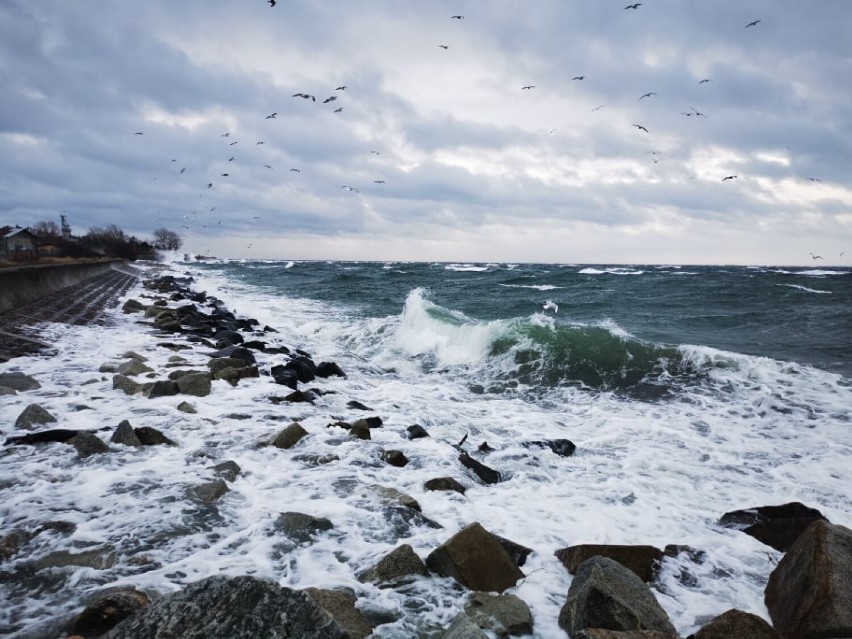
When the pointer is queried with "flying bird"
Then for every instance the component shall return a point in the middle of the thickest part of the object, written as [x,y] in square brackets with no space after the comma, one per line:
[579,77]
[256,143]
[233,143]
[346,187]
[342,87]
[226,134]
[330,99]
[225,174]
[210,185]
[296,170]
[752,24]
[641,128]
[231,159]
[375,152]
[457,17]
[816,257]
[549,304]
[704,81]
[183,170]
[267,166]
[378,181]
[443,46]
[139,133]
[597,108]
[647,95]
[813,179]
[338,109]
[304,96]
[529,86]
[633,6]
[271,116]
[730,177]
[272,3]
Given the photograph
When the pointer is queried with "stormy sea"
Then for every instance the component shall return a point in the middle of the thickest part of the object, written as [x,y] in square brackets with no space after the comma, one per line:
[688,391]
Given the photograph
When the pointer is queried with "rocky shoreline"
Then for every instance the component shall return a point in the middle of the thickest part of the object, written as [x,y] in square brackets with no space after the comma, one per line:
[610,595]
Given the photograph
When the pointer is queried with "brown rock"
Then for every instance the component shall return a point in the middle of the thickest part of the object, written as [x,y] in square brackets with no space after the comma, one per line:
[476,560]
[290,436]
[776,526]
[734,624]
[600,633]
[643,560]
[108,608]
[809,593]
[399,565]
[340,605]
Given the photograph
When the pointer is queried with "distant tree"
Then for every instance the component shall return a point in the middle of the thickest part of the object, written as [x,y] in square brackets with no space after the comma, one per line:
[166,240]
[47,231]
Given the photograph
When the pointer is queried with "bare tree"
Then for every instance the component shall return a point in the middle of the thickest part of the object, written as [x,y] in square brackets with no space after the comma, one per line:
[166,240]
[47,230]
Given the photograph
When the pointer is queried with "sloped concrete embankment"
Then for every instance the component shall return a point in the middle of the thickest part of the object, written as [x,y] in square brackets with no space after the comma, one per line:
[22,284]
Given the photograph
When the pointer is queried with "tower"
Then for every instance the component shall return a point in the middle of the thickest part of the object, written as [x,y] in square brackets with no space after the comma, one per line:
[66,229]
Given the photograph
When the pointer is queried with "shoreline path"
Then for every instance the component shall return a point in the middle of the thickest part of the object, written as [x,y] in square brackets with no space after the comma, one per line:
[77,305]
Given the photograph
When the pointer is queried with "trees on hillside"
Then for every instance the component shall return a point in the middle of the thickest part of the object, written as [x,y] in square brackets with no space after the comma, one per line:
[166,240]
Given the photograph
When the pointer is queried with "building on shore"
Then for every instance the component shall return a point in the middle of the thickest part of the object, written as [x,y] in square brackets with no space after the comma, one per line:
[18,244]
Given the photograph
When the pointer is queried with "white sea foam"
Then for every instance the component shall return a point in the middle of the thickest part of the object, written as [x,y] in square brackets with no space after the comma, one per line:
[610,271]
[755,432]
[466,268]
[536,287]
[805,288]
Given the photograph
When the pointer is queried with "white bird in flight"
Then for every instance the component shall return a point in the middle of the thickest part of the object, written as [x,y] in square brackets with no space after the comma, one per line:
[550,304]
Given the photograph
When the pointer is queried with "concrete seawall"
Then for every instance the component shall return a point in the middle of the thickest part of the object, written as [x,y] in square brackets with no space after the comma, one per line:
[22,284]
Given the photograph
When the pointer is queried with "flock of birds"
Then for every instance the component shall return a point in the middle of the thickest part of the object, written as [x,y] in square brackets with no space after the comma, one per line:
[338,108]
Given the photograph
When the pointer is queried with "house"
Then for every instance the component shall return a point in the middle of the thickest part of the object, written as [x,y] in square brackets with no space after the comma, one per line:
[17,244]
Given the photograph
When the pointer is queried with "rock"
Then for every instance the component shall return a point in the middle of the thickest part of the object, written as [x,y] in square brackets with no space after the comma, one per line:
[396,568]
[106,609]
[561,447]
[197,384]
[397,497]
[284,376]
[360,430]
[125,434]
[605,594]
[133,367]
[134,355]
[231,608]
[301,527]
[99,559]
[88,443]
[643,560]
[5,391]
[186,407]
[237,352]
[329,369]
[776,526]
[150,436]
[504,615]
[33,415]
[395,458]
[55,435]
[476,560]
[486,474]
[354,404]
[809,594]
[227,470]
[734,624]
[290,436]
[516,551]
[304,368]
[227,338]
[160,388]
[12,542]
[208,493]
[600,633]
[298,397]
[463,627]
[444,483]
[340,604]
[369,422]
[133,306]
[18,381]
[124,383]
[416,431]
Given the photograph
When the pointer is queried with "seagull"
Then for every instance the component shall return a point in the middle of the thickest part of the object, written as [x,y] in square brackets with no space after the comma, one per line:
[267,166]
[378,181]
[579,77]
[597,108]
[346,187]
[457,17]
[338,109]
[271,116]
[641,128]
[139,133]
[210,185]
[233,143]
[295,170]
[304,96]
[704,81]
[331,99]
[549,304]
[444,46]
[342,87]
[231,159]
[225,174]
[646,95]
[182,170]
[730,177]
[375,152]
[226,134]
[812,179]
[752,24]
[271,2]
[633,6]
[256,143]
[816,257]
[529,86]
[698,113]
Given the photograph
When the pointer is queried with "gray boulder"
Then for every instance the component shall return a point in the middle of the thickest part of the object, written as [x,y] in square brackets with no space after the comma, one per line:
[809,594]
[150,436]
[340,604]
[290,436]
[33,415]
[776,526]
[133,367]
[197,384]
[475,559]
[600,633]
[444,483]
[227,470]
[504,615]
[397,567]
[18,381]
[231,608]
[300,527]
[160,388]
[88,444]
[124,383]
[643,560]
[463,627]
[736,623]
[209,492]
[605,594]
[124,434]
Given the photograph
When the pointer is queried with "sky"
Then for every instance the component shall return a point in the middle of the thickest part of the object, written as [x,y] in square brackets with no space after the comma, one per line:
[160,114]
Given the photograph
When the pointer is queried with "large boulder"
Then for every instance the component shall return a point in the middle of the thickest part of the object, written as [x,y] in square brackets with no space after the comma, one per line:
[643,560]
[18,381]
[290,436]
[809,594]
[604,594]
[776,526]
[87,443]
[340,604]
[107,608]
[734,624]
[301,527]
[124,434]
[33,415]
[197,384]
[231,608]
[504,615]
[475,559]
[600,633]
[399,566]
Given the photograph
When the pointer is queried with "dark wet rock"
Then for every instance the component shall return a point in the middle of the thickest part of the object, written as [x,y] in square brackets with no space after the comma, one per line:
[133,306]
[354,404]
[395,458]
[296,397]
[504,615]
[186,407]
[305,369]
[18,381]
[396,496]
[13,542]
[33,415]
[734,624]
[476,560]
[642,560]
[360,430]
[237,352]
[340,604]
[516,551]
[561,447]
[369,422]
[150,436]
[605,594]
[684,557]
[300,527]
[600,633]
[125,434]
[219,363]
[87,443]
[6,391]
[329,369]
[196,384]
[398,567]
[463,627]
[124,383]
[486,474]
[227,470]
[290,436]
[776,526]
[54,435]
[228,338]
[444,483]
[231,608]
[285,376]
[416,431]
[160,388]
[484,447]
[132,368]
[255,345]
[809,594]
[107,608]
[97,558]
[209,492]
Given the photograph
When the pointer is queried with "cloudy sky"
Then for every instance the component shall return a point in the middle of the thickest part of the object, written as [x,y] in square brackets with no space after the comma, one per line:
[151,114]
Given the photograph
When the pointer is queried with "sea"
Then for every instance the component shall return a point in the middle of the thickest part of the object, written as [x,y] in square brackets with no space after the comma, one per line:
[689,392]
